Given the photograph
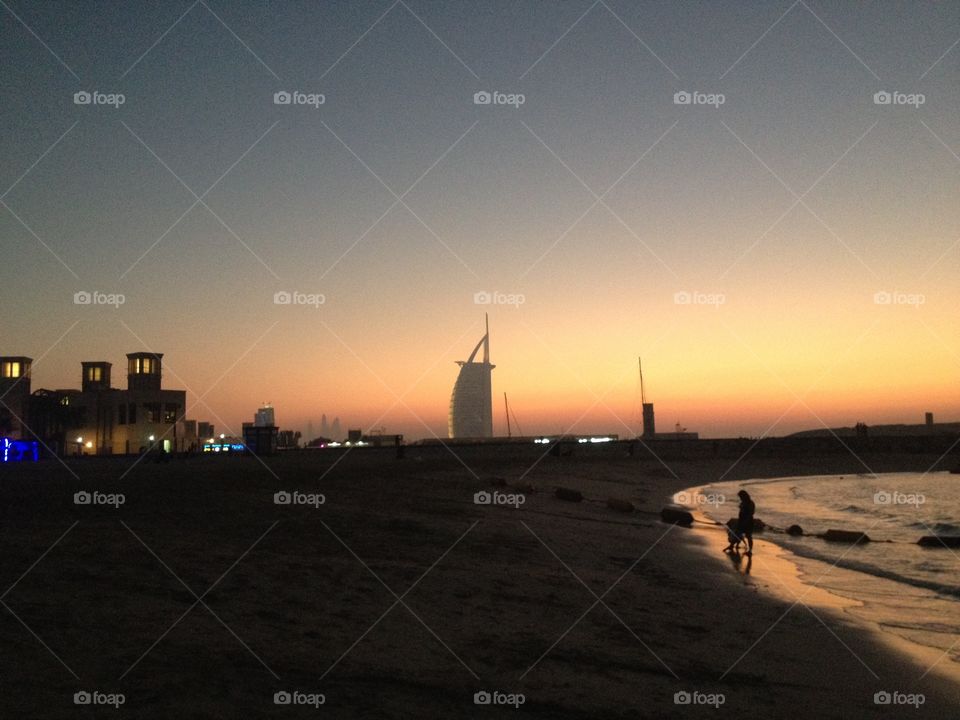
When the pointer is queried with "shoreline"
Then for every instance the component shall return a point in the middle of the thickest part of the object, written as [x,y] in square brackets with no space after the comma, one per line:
[796,583]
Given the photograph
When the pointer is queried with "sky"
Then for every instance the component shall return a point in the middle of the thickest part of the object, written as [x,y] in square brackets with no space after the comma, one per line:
[782,250]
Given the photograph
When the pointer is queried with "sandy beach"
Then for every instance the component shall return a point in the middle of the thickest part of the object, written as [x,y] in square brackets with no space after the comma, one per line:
[399,597]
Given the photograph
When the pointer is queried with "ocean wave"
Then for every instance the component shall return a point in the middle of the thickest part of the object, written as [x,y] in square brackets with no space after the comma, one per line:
[937,528]
[804,550]
[855,509]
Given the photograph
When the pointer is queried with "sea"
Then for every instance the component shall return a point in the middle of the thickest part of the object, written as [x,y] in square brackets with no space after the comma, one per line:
[904,588]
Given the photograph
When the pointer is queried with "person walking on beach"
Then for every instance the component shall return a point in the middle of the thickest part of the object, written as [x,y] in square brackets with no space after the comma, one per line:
[745,519]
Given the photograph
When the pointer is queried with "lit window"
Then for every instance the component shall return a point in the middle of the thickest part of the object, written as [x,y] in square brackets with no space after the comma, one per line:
[94,374]
[10,369]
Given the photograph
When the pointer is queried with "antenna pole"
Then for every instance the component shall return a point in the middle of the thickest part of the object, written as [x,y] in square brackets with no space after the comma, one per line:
[506,408]
[643,397]
[486,338]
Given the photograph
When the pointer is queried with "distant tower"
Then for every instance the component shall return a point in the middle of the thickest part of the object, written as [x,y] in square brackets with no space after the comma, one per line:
[928,417]
[96,376]
[471,403]
[143,371]
[264,416]
[649,424]
[14,395]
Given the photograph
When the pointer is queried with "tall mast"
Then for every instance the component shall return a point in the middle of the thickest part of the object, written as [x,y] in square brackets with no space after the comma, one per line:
[506,408]
[643,397]
[486,339]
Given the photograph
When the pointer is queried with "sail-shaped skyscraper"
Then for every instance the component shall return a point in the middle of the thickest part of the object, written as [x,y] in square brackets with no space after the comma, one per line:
[471,403]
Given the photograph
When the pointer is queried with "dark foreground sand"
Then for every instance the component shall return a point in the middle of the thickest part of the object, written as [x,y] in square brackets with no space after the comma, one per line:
[401,598]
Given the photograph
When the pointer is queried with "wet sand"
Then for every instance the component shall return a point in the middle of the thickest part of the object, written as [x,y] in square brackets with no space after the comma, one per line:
[399,597]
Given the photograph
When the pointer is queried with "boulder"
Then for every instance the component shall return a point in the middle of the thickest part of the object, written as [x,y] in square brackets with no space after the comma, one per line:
[939,541]
[795,530]
[847,536]
[676,515]
[569,495]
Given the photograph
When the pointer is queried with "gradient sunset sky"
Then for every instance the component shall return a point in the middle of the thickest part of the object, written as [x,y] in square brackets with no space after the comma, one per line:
[815,232]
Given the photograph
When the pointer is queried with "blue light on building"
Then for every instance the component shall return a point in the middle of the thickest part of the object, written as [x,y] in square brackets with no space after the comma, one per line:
[19,450]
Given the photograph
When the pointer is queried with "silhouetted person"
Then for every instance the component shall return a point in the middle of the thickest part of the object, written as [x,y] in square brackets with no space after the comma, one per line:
[733,538]
[745,519]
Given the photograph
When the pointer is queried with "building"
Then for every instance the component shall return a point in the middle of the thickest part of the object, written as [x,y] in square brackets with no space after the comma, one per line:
[649,422]
[98,419]
[261,437]
[288,440]
[14,396]
[471,403]
[264,417]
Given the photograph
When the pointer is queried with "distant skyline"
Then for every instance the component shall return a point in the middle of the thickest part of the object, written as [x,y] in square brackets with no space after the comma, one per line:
[783,259]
